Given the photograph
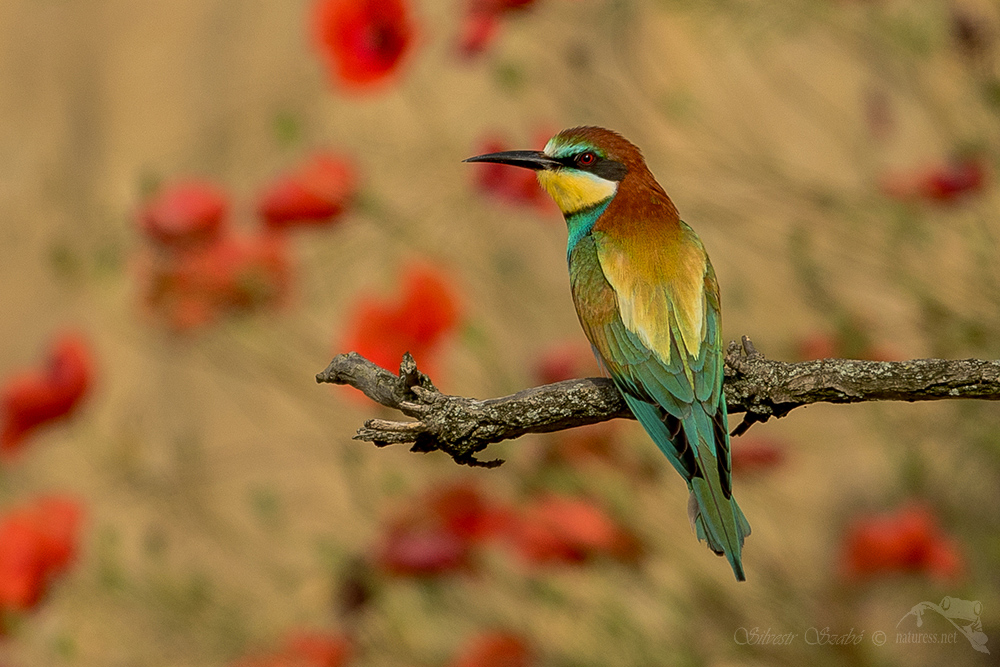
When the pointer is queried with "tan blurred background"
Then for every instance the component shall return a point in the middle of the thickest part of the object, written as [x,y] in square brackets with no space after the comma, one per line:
[224,496]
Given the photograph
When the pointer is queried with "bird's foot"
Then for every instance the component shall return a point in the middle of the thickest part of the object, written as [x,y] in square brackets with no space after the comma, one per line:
[741,358]
[739,355]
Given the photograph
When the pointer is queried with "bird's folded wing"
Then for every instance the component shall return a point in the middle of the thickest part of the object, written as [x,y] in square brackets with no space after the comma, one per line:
[665,346]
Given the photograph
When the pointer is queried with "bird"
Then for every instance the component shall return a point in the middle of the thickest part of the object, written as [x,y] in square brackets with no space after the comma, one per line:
[648,300]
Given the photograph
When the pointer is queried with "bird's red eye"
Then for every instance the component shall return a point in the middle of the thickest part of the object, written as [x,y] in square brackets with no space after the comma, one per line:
[586,159]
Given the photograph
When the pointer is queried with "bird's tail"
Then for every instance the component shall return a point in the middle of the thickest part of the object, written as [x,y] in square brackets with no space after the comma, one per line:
[698,448]
[715,516]
[722,525]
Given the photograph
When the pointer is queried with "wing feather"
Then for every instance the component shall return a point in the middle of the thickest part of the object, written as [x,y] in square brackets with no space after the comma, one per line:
[651,312]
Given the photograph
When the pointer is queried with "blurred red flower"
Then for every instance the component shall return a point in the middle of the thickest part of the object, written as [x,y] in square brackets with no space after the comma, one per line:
[756,454]
[362,41]
[463,510]
[481,23]
[597,443]
[955,179]
[409,551]
[907,540]
[436,534]
[314,194]
[554,529]
[37,543]
[565,361]
[852,340]
[477,32]
[495,649]
[512,185]
[943,184]
[816,346]
[184,213]
[192,288]
[418,322]
[33,398]
[305,649]
[439,533]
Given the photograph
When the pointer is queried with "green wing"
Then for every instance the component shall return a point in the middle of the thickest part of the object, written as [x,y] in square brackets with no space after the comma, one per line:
[676,395]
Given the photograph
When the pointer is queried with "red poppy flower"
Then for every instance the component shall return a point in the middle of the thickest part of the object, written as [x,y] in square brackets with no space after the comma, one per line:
[756,454]
[316,193]
[418,322]
[478,31]
[512,185]
[907,540]
[362,41]
[305,649]
[246,273]
[817,346]
[320,650]
[184,214]
[853,340]
[565,362]
[462,510]
[954,180]
[557,529]
[195,287]
[495,649]
[34,398]
[597,443]
[419,552]
[37,542]
[437,533]
[942,184]
[481,23]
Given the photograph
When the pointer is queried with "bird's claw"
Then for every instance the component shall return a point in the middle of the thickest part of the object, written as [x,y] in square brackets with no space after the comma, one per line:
[738,354]
[749,349]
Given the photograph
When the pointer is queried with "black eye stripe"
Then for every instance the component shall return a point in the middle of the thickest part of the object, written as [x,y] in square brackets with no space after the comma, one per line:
[609,169]
[603,167]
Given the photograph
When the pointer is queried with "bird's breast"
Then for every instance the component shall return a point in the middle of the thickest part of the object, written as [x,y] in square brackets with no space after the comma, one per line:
[594,298]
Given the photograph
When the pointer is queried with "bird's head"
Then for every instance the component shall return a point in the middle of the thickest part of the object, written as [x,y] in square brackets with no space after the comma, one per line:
[580,168]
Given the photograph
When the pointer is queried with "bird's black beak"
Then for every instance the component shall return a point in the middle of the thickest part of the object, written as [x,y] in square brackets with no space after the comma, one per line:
[536,160]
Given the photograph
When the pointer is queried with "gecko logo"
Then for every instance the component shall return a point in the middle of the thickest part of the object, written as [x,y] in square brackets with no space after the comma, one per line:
[963,614]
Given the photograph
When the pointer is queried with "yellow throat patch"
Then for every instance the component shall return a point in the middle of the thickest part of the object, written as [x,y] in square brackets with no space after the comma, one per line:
[575,190]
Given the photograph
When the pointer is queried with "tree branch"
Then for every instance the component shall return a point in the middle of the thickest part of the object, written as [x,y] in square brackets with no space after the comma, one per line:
[759,387]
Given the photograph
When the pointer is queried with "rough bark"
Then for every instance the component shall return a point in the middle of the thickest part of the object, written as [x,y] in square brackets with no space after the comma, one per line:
[761,388]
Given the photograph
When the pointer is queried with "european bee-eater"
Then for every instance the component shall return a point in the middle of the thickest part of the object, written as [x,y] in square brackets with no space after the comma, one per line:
[648,300]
